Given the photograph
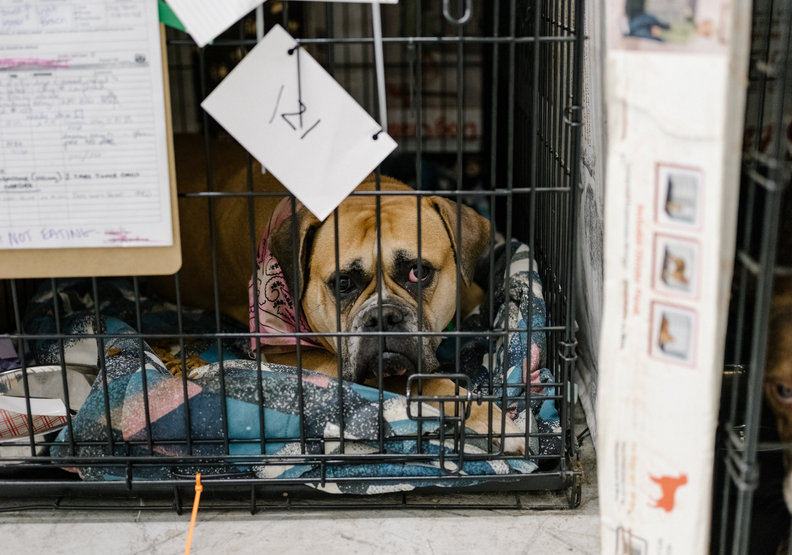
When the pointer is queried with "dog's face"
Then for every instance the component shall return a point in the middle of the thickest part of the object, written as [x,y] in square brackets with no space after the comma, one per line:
[778,379]
[383,282]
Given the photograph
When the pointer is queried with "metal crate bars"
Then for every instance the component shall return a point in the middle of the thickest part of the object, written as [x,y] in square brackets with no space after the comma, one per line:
[487,110]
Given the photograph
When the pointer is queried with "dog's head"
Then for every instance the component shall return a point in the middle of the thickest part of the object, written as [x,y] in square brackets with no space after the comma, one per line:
[352,279]
[778,376]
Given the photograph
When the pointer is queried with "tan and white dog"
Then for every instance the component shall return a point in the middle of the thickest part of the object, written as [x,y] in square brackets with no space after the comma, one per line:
[405,281]
[380,282]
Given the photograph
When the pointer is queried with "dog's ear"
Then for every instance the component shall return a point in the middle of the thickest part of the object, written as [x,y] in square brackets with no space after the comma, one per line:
[474,239]
[291,244]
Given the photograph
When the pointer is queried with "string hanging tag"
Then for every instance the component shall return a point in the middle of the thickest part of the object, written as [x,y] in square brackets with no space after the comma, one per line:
[198,490]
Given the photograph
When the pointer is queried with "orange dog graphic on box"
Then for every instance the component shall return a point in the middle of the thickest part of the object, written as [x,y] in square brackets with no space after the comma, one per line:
[669,486]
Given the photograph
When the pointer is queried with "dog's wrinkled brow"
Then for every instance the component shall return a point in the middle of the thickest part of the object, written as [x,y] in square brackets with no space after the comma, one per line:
[355,266]
[403,257]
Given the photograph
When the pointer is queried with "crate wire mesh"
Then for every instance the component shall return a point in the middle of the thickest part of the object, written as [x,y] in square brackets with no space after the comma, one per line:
[749,514]
[486,109]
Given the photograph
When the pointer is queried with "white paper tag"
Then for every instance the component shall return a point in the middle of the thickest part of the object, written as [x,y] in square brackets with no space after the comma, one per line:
[205,19]
[38,407]
[320,150]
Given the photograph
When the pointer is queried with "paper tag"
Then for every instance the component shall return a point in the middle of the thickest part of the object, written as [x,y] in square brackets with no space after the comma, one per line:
[310,134]
[38,407]
[205,19]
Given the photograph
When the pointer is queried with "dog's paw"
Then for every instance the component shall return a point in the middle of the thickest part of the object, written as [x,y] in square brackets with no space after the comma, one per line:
[482,422]
[514,444]
[512,439]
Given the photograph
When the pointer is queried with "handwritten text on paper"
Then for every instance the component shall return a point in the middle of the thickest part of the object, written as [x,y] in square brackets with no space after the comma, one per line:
[299,123]
[83,159]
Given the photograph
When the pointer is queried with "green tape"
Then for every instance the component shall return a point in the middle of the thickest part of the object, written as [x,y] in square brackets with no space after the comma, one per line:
[169,18]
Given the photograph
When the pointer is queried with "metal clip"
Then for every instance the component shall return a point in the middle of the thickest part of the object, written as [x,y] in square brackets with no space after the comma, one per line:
[566,350]
[569,111]
[451,423]
[465,17]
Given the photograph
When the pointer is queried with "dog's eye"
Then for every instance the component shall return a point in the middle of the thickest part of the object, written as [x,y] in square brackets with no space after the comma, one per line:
[345,284]
[783,393]
[423,274]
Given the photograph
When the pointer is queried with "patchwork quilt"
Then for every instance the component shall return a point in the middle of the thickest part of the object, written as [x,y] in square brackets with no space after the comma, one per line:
[203,404]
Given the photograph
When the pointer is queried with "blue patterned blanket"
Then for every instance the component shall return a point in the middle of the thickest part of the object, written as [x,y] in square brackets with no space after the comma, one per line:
[231,409]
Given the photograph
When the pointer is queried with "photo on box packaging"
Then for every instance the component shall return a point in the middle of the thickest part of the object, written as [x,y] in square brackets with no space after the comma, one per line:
[678,196]
[673,333]
[668,25]
[675,265]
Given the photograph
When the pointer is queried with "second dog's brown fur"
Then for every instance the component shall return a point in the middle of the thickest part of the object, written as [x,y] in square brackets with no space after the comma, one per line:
[778,372]
[778,368]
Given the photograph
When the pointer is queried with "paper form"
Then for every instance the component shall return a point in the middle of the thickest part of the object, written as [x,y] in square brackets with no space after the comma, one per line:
[83,146]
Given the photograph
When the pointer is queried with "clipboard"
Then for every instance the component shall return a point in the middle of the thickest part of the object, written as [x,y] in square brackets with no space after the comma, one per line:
[114,260]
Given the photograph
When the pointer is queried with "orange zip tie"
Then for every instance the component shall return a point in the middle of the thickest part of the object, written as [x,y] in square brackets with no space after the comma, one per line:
[198,490]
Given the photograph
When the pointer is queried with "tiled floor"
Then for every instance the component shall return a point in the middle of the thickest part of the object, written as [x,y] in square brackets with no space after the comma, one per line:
[441,529]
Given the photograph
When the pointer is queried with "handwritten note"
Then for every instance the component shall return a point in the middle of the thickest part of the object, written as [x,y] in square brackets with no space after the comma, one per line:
[83,151]
[205,19]
[301,125]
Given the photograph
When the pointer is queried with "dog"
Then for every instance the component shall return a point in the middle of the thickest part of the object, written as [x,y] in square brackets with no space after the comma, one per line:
[378,279]
[664,337]
[778,397]
[674,270]
[778,364]
[778,373]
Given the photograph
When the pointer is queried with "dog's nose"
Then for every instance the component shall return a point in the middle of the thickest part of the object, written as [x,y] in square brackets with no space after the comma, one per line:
[391,317]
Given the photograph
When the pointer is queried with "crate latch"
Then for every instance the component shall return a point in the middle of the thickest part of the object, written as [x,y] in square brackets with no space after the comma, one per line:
[573,115]
[454,410]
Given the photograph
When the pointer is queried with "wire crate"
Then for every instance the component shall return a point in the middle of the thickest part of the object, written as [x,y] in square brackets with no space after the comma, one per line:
[484,99]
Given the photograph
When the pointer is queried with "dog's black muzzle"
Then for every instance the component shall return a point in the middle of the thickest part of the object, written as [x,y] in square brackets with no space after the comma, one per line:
[399,353]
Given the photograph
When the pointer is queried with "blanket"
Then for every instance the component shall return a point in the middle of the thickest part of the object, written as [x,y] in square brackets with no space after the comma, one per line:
[226,410]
